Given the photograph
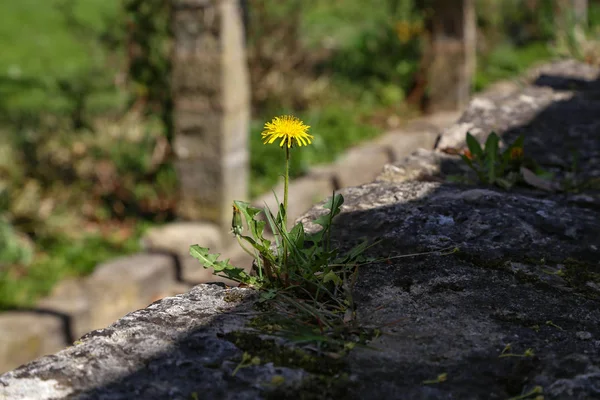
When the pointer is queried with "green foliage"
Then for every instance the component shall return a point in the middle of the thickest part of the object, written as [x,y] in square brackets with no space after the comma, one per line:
[59,60]
[381,61]
[299,270]
[148,37]
[492,165]
[507,60]
[13,248]
[504,168]
[24,279]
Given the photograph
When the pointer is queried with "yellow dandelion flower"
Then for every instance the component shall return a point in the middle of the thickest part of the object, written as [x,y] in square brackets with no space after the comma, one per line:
[287,128]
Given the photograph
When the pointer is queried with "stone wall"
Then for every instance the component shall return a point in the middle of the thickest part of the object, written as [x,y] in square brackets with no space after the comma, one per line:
[514,313]
[117,287]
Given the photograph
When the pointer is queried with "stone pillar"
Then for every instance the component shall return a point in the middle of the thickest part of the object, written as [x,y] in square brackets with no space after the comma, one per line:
[211,108]
[451,54]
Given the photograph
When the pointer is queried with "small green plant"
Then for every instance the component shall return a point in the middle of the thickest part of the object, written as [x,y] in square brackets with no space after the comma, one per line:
[492,165]
[305,283]
[537,393]
[247,361]
[506,168]
[507,352]
[439,379]
[301,272]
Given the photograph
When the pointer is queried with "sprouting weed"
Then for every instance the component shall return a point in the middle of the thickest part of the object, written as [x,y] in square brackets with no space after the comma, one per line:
[506,352]
[300,274]
[552,324]
[439,379]
[537,393]
[247,361]
[494,166]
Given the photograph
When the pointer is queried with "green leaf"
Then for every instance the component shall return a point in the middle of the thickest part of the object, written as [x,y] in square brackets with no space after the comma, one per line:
[202,254]
[314,237]
[474,146]
[467,161]
[256,227]
[504,183]
[297,235]
[334,204]
[267,295]
[491,156]
[209,260]
[332,277]
[359,249]
[274,228]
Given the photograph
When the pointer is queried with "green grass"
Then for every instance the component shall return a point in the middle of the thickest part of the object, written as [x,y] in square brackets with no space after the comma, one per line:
[62,257]
[41,48]
[506,61]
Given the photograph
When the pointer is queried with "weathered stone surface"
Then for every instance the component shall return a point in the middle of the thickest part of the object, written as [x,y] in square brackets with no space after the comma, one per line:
[70,298]
[28,335]
[117,287]
[171,349]
[422,165]
[526,277]
[452,313]
[557,113]
[175,239]
[455,313]
[402,143]
[361,164]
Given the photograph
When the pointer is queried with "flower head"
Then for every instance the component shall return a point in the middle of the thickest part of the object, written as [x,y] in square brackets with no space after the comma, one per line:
[287,128]
[516,153]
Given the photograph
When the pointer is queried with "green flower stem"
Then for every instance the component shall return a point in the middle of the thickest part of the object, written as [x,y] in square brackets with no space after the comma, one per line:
[253,255]
[286,180]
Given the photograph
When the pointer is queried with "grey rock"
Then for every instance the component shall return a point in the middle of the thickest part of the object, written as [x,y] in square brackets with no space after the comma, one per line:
[515,309]
[439,312]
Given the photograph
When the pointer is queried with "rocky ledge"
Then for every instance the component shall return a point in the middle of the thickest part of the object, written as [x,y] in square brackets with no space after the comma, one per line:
[513,313]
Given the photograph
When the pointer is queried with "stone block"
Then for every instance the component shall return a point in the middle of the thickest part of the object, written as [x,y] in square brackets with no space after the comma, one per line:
[126,284]
[402,143]
[361,165]
[70,298]
[28,335]
[303,193]
[433,122]
[176,239]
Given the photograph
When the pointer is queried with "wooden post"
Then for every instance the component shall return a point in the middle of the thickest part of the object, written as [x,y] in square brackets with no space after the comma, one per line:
[451,54]
[211,108]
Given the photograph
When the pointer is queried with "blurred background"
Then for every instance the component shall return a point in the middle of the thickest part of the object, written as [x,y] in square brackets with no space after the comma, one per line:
[79,76]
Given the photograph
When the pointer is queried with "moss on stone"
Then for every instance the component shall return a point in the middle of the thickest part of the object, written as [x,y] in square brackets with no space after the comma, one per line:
[283,356]
[233,297]
[328,377]
[578,273]
[318,387]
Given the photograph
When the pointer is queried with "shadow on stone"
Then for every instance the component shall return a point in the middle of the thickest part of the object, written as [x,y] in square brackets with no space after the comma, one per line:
[515,310]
